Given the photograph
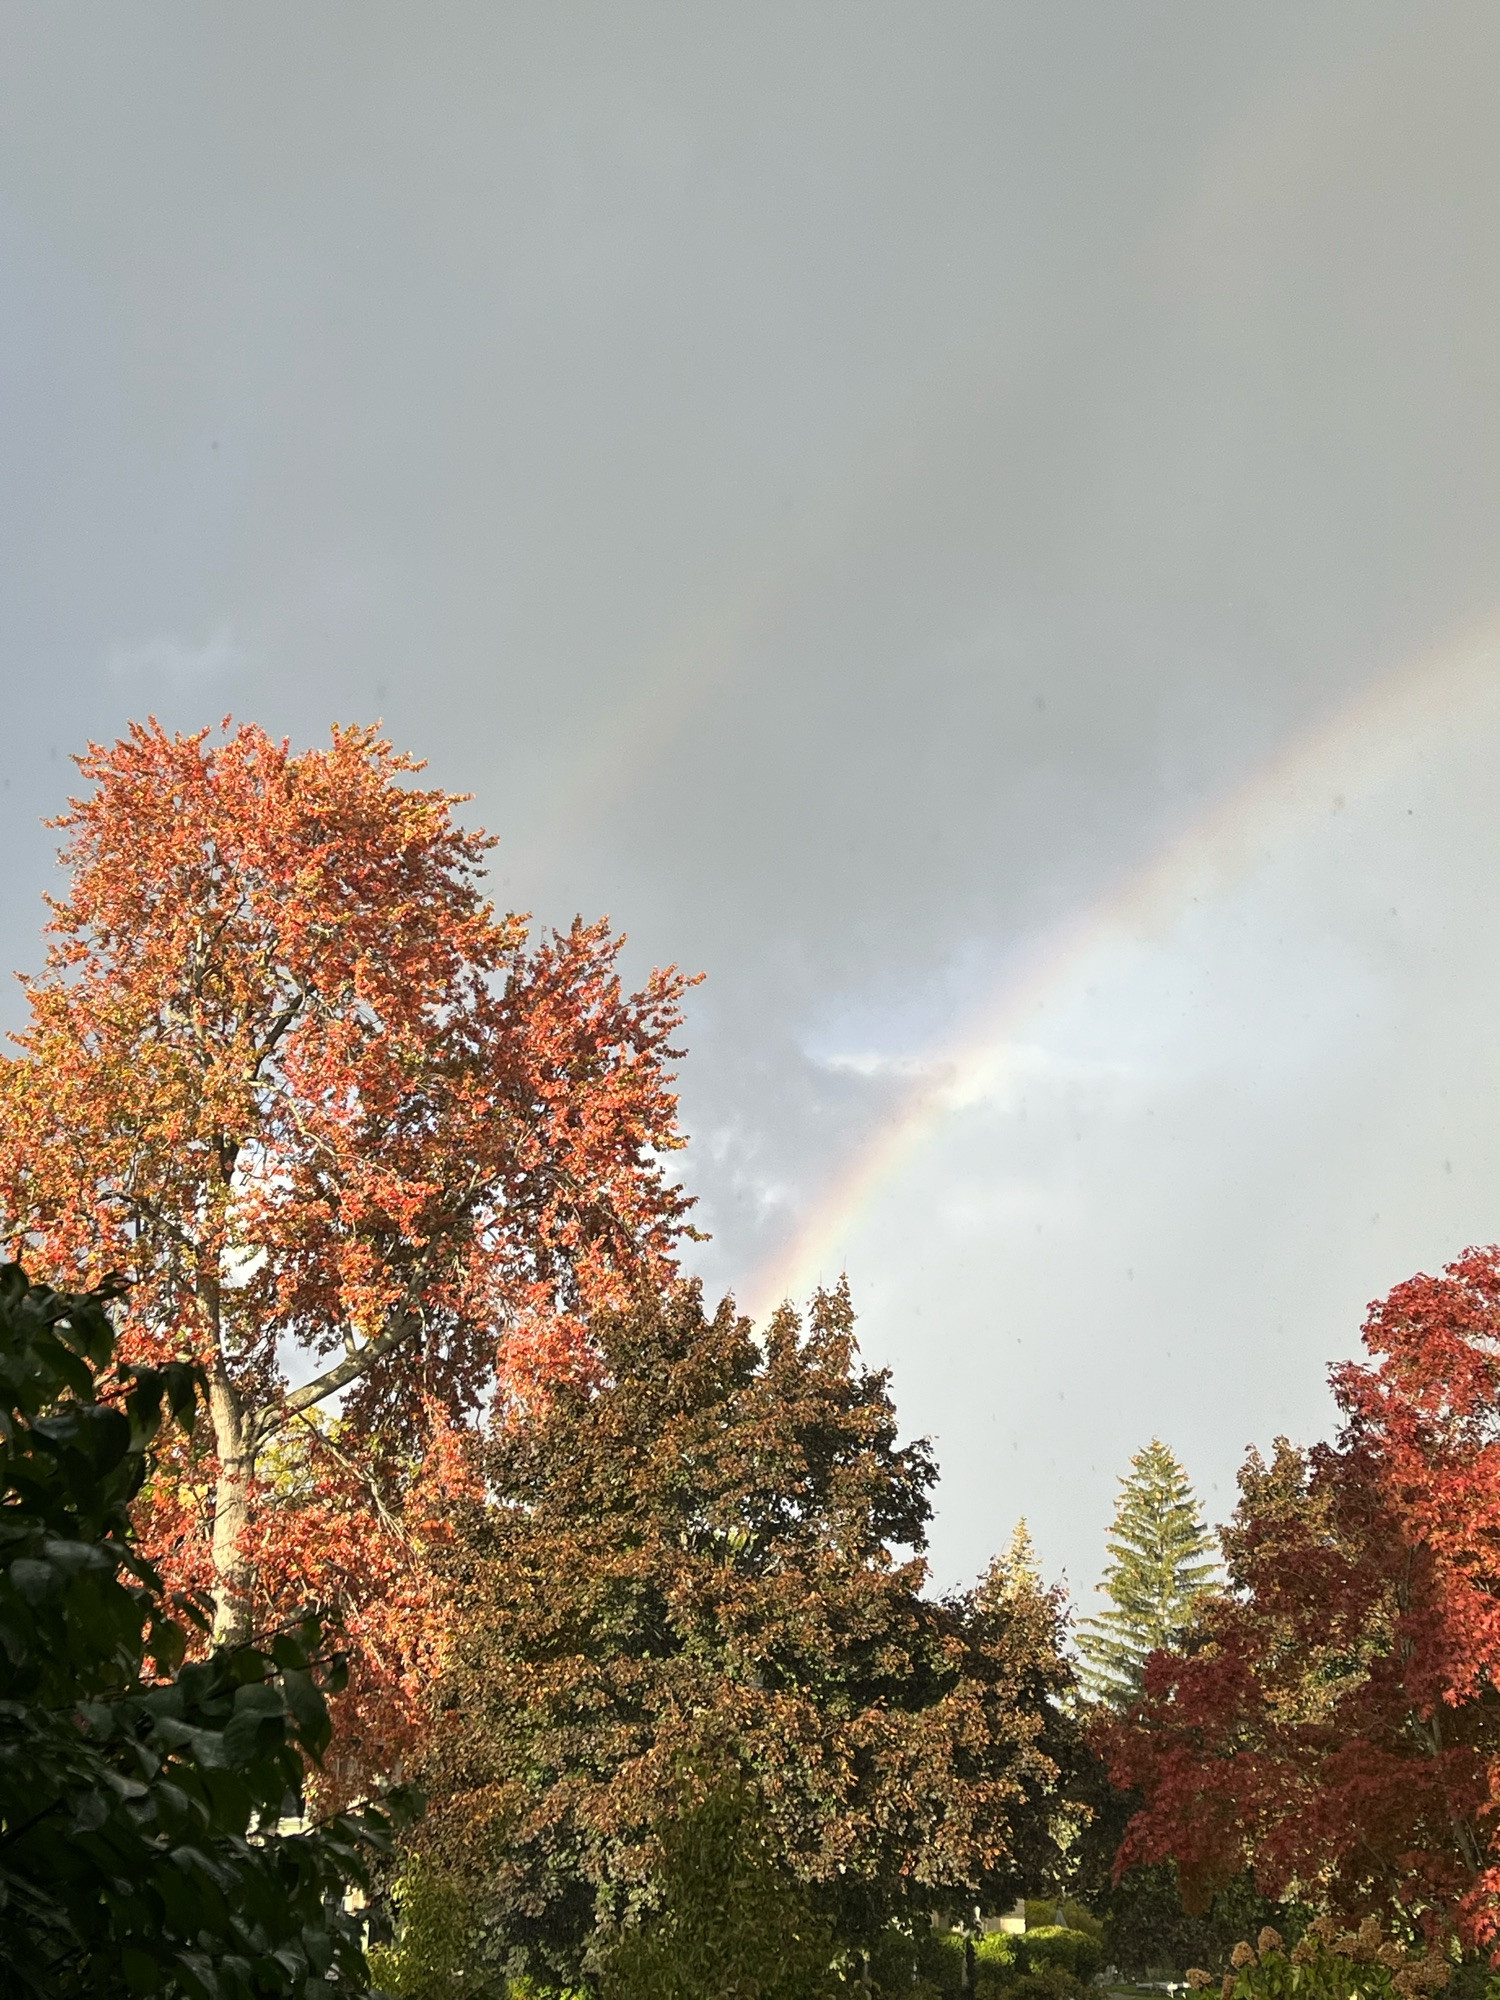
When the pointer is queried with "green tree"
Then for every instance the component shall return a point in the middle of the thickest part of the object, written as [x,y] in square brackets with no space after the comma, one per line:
[730,1923]
[142,1796]
[1162,1560]
[717,1551]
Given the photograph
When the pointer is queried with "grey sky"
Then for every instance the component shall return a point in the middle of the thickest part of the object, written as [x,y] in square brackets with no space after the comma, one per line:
[905,509]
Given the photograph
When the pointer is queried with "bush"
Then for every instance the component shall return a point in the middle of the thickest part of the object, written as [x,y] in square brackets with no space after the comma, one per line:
[1045,1913]
[432,1957]
[1048,1982]
[946,1960]
[1051,1963]
[995,1955]
[1054,1947]
[1149,1935]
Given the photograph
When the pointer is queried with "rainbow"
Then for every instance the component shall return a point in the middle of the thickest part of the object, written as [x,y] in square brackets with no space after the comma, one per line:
[1387,727]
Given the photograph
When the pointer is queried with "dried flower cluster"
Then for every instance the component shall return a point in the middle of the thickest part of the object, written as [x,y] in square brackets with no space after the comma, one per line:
[1327,1963]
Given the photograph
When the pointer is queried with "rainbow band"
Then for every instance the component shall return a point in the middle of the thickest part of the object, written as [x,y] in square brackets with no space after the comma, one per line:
[1386,728]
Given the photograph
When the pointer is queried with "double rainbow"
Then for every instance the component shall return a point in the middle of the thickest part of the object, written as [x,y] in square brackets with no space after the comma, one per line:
[1389,726]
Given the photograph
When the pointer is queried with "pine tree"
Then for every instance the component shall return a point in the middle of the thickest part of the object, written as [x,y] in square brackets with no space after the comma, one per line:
[1161,1561]
[1018,1573]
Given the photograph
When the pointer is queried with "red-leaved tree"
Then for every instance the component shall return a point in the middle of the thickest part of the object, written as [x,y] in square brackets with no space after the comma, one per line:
[1334,1722]
[344,1128]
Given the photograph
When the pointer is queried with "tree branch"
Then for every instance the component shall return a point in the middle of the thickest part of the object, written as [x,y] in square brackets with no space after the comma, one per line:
[402,1323]
[377,1498]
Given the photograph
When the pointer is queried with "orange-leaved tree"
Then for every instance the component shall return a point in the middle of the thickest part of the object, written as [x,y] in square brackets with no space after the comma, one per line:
[1333,1719]
[343,1127]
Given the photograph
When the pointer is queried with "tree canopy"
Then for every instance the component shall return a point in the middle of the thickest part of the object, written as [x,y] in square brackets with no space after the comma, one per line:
[1161,1561]
[716,1550]
[1332,1721]
[346,1129]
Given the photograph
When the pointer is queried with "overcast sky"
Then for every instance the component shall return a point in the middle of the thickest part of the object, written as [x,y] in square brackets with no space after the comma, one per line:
[974,526]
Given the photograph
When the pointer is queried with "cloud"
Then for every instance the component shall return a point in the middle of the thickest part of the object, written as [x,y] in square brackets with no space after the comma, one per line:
[991,1076]
[877,1063]
[177,662]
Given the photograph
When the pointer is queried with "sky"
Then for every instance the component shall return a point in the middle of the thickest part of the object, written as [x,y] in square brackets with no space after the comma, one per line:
[972,526]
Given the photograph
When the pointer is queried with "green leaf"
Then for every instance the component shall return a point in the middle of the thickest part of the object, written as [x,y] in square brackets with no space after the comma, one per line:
[142,1973]
[309,1710]
[32,1580]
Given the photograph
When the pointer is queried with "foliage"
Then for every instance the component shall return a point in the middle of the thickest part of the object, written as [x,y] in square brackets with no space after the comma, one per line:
[705,1553]
[433,1956]
[1334,1723]
[1074,1952]
[140,1849]
[1149,1934]
[1161,1562]
[289,1070]
[1050,1963]
[730,1922]
[1327,1964]
[1045,1911]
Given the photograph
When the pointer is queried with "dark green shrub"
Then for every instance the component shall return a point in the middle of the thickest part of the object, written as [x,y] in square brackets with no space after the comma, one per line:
[939,1959]
[1148,1933]
[1046,1982]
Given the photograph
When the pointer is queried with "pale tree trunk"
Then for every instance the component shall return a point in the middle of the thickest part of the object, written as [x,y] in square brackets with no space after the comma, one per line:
[234,1572]
[238,1437]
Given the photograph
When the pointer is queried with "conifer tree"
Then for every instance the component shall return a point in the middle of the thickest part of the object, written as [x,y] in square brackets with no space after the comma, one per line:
[1018,1573]
[1161,1561]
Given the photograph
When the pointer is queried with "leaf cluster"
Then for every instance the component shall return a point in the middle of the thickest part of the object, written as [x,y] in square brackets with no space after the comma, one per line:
[142,1848]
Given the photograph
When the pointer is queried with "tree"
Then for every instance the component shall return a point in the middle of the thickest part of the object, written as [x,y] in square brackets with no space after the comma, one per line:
[344,1128]
[141,1842]
[1333,1720]
[1161,1562]
[716,1551]
[729,1919]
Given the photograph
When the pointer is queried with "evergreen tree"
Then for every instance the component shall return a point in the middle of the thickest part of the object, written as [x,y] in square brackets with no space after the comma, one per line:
[1161,1561]
[1018,1573]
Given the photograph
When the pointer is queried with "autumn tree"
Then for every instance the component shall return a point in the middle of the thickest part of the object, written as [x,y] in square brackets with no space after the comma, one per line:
[344,1128]
[1332,1720]
[1161,1561]
[716,1551]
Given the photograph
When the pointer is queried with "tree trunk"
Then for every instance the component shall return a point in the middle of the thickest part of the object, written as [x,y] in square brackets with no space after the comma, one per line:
[234,1573]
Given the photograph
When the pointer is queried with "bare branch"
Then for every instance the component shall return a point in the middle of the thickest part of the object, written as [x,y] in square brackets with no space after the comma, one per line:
[392,1521]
